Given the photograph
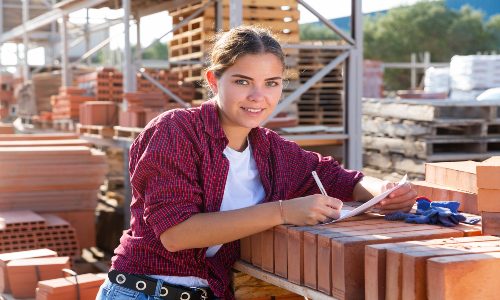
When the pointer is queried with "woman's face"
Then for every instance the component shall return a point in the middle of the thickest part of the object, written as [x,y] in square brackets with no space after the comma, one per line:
[248,91]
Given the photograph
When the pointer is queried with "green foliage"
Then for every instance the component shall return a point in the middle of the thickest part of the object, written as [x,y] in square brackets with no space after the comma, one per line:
[493,28]
[157,51]
[316,32]
[427,26]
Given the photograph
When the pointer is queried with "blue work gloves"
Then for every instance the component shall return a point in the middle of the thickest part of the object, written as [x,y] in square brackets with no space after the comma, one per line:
[433,212]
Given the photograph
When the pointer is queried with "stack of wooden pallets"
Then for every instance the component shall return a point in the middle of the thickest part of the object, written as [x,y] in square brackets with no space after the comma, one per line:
[330,258]
[323,103]
[401,135]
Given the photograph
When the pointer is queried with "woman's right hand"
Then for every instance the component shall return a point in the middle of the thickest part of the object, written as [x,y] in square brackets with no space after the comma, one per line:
[311,210]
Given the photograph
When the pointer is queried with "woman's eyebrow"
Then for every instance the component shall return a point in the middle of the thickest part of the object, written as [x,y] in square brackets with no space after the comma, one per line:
[250,78]
[242,76]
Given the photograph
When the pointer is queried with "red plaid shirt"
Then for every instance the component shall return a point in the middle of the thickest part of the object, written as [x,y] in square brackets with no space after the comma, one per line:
[177,169]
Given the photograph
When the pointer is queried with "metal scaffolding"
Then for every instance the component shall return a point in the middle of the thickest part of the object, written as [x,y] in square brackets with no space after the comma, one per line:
[352,52]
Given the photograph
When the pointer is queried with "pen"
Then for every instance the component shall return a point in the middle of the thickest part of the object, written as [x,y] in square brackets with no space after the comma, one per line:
[318,182]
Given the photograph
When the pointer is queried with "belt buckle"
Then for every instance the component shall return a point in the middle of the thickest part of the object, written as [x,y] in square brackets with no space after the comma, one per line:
[204,293]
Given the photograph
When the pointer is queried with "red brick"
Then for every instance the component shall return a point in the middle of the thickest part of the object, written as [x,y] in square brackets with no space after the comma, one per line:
[7,257]
[468,276]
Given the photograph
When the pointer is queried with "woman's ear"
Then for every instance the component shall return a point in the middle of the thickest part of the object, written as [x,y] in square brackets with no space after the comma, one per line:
[212,81]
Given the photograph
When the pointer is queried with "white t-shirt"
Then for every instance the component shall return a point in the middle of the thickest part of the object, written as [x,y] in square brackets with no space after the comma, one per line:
[243,189]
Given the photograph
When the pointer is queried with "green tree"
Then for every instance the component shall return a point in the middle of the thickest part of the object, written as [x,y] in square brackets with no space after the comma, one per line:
[493,28]
[425,26]
[158,50]
[316,32]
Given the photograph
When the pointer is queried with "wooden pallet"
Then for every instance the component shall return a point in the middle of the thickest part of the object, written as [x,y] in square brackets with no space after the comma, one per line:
[95,131]
[433,110]
[63,125]
[126,133]
[438,149]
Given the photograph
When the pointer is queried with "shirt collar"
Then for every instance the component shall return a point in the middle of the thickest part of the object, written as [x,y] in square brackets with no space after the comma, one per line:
[210,117]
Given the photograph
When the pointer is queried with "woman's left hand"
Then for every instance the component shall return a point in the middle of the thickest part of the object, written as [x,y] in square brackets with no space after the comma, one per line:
[401,199]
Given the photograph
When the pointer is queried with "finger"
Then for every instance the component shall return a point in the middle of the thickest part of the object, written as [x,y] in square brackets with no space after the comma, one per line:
[334,203]
[398,206]
[405,188]
[409,195]
[332,213]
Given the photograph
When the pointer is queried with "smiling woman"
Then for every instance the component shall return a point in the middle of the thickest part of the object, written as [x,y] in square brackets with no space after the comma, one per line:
[203,178]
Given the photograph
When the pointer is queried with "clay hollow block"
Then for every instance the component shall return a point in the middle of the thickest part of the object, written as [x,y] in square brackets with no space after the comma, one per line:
[488,173]
[24,274]
[7,257]
[66,287]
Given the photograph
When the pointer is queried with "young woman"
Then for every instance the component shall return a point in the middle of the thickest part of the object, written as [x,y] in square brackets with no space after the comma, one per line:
[205,177]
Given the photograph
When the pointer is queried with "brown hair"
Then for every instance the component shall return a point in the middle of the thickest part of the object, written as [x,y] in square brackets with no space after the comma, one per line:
[241,40]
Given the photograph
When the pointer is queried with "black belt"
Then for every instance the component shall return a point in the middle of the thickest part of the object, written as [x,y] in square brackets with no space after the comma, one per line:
[147,286]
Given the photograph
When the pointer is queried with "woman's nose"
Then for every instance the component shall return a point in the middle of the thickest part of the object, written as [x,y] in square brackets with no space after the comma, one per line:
[256,94]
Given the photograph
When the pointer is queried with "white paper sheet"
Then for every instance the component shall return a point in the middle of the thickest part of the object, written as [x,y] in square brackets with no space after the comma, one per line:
[347,213]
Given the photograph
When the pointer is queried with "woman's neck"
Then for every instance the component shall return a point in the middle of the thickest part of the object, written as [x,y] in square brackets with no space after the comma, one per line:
[237,137]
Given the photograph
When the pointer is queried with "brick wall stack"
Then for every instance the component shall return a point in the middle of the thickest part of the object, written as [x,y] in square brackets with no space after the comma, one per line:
[6,93]
[451,181]
[26,230]
[66,105]
[83,287]
[171,80]
[105,84]
[52,174]
[102,113]
[329,258]
[373,79]
[7,257]
[444,269]
[488,197]
[141,108]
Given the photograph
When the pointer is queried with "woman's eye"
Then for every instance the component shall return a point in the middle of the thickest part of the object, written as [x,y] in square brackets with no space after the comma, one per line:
[241,82]
[272,83]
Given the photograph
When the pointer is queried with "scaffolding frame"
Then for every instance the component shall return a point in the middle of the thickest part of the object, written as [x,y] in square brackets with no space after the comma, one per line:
[352,53]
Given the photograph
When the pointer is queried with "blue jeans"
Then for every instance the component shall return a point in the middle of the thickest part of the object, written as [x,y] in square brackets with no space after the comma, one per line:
[113,291]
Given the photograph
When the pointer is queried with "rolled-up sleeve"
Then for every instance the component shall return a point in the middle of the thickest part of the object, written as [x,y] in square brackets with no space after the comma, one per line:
[164,173]
[298,167]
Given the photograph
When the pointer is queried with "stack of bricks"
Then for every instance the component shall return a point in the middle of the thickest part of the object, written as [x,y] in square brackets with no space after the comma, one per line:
[329,258]
[56,174]
[141,108]
[66,105]
[26,230]
[6,93]
[437,269]
[451,181]
[190,44]
[83,287]
[105,84]
[488,197]
[373,79]
[7,257]
[24,274]
[103,113]
[171,80]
